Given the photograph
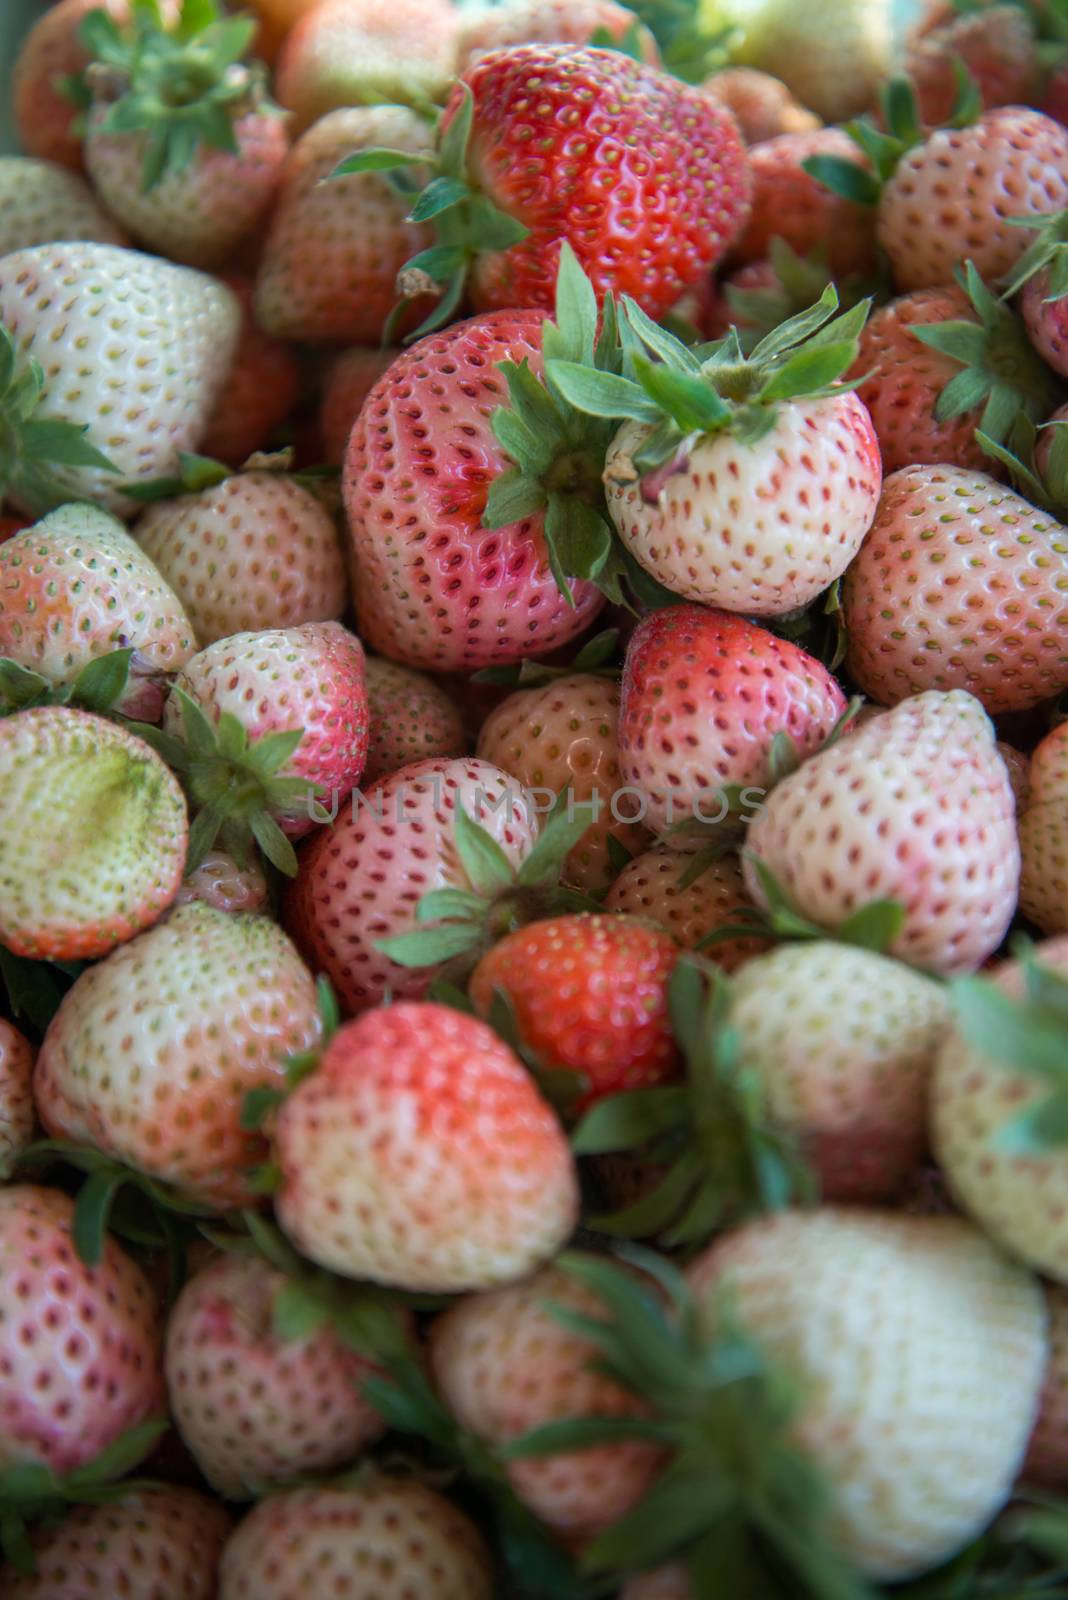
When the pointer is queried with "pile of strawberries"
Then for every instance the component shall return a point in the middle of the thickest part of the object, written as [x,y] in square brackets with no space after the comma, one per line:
[534,802]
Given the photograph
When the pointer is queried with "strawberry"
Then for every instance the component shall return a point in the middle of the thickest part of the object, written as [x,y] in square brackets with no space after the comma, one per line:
[1018,766]
[995,43]
[436,584]
[79,1346]
[257,1409]
[651,886]
[246,552]
[51,55]
[41,202]
[959,584]
[419,1153]
[1044,836]
[167,1539]
[589,999]
[220,881]
[333,250]
[789,204]
[564,735]
[151,1052]
[122,348]
[644,177]
[842,1041]
[16,1096]
[914,807]
[997,1112]
[411,720]
[350,379]
[762,106]
[180,144]
[1040,278]
[75,587]
[574,22]
[503,1365]
[259,393]
[831,55]
[708,700]
[770,444]
[269,719]
[93,834]
[361,879]
[1047,1453]
[381,1539]
[366,52]
[661,1583]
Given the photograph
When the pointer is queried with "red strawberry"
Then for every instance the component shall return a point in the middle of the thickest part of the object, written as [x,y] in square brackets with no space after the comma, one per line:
[51,52]
[16,1096]
[259,392]
[79,1346]
[705,696]
[434,587]
[996,43]
[419,1153]
[960,583]
[1044,836]
[167,1540]
[257,1409]
[412,719]
[762,106]
[589,998]
[649,886]
[349,381]
[789,204]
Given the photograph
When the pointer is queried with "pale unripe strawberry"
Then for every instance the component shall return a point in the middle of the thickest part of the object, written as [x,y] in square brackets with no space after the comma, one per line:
[166,1540]
[75,586]
[362,875]
[918,1350]
[334,246]
[833,54]
[41,202]
[546,22]
[256,1409]
[348,382]
[842,1041]
[412,719]
[1017,1192]
[1047,1453]
[762,105]
[225,884]
[131,347]
[649,887]
[561,735]
[505,1365]
[383,1539]
[93,834]
[16,1095]
[1044,836]
[915,807]
[153,1050]
[419,1153]
[805,494]
[79,1346]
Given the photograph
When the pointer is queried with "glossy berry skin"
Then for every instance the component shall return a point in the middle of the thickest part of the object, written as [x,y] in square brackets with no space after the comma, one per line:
[383,1539]
[589,995]
[960,583]
[916,806]
[704,695]
[349,380]
[79,1346]
[649,887]
[645,177]
[1046,322]
[412,719]
[258,1410]
[1044,836]
[171,1538]
[789,204]
[433,587]
[420,1154]
[16,1095]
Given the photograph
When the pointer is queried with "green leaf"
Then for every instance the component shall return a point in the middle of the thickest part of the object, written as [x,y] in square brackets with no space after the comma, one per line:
[20,688]
[274,844]
[425,947]
[1037,1130]
[874,926]
[1009,1031]
[257,1105]
[91,1213]
[439,904]
[901,111]
[376,161]
[296,1313]
[118,1458]
[602,394]
[512,498]
[844,178]
[658,341]
[690,401]
[576,308]
[456,136]
[100,684]
[440,194]
[485,863]
[564,826]
[811,370]
[624,1121]
[62,444]
[34,989]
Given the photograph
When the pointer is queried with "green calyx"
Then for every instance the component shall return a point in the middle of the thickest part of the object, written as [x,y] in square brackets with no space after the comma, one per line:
[98,687]
[689,49]
[197,473]
[599,657]
[874,926]
[799,282]
[724,1158]
[33,990]
[1048,251]
[460,925]
[1000,370]
[182,86]
[884,146]
[1028,1035]
[738,1502]
[1045,485]
[233,784]
[30,448]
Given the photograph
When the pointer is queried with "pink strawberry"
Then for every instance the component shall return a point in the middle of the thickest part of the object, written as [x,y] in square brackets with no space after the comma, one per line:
[995,43]
[419,1153]
[1044,836]
[1040,278]
[52,52]
[167,1538]
[960,583]
[79,1346]
[650,886]
[41,202]
[789,204]
[380,1539]
[914,807]
[260,390]
[361,877]
[152,1051]
[434,586]
[762,106]
[16,1096]
[574,22]
[257,1409]
[705,696]
[411,718]
[350,379]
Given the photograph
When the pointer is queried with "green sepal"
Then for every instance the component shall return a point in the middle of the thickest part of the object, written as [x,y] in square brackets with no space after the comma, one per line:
[31,449]
[598,656]
[1048,251]
[844,178]
[35,989]
[873,926]
[195,473]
